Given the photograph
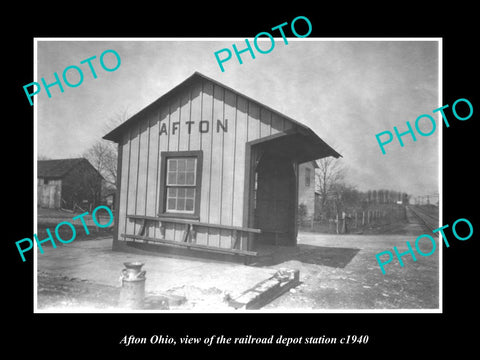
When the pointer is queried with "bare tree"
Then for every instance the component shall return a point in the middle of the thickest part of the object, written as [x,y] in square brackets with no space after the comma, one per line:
[329,174]
[103,154]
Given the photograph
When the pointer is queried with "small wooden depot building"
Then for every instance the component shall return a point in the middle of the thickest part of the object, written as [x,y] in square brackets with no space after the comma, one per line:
[206,168]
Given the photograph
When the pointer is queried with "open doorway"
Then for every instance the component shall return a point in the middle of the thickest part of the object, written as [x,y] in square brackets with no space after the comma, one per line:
[275,199]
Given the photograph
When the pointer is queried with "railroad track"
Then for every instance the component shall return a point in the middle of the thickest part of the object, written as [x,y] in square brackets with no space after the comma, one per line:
[429,220]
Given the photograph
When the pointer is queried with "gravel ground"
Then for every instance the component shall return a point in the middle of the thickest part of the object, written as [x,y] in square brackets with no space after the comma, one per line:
[336,272]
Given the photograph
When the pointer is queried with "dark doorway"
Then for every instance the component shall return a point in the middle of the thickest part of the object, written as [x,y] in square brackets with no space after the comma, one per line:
[275,196]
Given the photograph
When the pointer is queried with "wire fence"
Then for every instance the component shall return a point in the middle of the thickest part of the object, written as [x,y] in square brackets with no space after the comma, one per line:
[354,220]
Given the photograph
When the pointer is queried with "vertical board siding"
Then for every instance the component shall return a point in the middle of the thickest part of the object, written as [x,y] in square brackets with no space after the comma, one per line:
[163,118]
[241,130]
[265,122]
[122,200]
[143,153]
[228,168]
[195,116]
[184,131]
[216,166]
[206,147]
[151,193]
[223,169]
[132,179]
[253,121]
[276,124]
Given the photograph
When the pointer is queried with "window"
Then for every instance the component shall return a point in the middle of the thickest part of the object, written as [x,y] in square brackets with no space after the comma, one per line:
[181,180]
[308,174]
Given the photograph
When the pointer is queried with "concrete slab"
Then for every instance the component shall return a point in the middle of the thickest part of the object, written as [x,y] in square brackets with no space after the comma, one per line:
[205,283]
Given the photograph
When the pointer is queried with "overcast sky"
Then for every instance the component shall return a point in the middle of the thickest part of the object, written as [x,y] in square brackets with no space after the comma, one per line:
[345,91]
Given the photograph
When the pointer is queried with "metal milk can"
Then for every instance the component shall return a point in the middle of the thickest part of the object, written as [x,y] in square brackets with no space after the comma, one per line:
[132,293]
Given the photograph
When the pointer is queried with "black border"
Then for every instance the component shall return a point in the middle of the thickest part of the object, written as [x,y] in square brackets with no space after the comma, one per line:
[408,334]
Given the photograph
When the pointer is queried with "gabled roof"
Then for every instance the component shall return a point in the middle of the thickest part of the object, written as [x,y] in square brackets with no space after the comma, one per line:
[115,134]
[58,168]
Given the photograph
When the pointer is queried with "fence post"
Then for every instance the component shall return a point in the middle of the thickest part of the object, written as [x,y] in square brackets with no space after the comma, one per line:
[363,218]
[337,222]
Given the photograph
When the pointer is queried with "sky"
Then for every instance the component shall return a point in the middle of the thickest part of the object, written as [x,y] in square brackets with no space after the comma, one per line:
[345,90]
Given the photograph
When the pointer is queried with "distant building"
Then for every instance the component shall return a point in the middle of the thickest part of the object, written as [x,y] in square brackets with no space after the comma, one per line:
[306,188]
[64,183]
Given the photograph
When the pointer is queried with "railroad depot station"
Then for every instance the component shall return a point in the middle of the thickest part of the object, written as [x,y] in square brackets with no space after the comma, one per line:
[207,170]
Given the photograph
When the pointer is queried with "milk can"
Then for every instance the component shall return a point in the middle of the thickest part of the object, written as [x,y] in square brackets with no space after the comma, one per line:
[132,293]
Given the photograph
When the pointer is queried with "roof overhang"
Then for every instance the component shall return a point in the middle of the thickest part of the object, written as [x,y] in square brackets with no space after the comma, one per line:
[298,145]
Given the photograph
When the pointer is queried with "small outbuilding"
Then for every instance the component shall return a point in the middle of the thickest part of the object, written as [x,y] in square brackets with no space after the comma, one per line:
[209,169]
[66,183]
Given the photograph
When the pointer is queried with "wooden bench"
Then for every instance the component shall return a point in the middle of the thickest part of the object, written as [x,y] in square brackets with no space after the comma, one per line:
[189,236]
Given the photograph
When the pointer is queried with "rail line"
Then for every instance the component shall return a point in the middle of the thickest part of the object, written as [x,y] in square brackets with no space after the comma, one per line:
[429,220]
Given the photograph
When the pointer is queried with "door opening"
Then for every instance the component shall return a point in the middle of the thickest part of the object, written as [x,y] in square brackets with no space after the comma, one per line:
[274,199]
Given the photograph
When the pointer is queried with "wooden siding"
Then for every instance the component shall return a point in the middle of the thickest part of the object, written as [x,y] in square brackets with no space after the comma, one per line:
[306,194]
[233,120]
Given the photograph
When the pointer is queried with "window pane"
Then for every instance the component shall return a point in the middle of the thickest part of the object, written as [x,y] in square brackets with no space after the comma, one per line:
[190,180]
[190,193]
[191,164]
[189,204]
[180,181]
[171,204]
[172,192]
[172,178]
[172,164]
[180,204]
[181,192]
[181,178]
[181,164]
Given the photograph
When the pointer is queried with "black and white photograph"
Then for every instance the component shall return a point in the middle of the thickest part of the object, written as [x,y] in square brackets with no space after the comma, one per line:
[216,182]
[262,187]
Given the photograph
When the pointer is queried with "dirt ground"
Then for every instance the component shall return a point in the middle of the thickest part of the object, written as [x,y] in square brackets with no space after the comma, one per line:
[336,272]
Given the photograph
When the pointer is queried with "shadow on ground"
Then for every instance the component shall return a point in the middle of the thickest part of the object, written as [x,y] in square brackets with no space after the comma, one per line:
[317,255]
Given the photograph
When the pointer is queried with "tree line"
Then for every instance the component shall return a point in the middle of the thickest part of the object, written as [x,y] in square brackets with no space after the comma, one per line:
[335,195]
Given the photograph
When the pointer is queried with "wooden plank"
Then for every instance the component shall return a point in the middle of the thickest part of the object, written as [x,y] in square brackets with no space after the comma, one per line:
[216,170]
[174,129]
[132,178]
[184,127]
[228,167]
[253,121]
[236,237]
[123,180]
[141,231]
[116,226]
[195,116]
[239,168]
[265,122]
[143,155]
[164,119]
[276,124]
[173,137]
[287,124]
[194,222]
[186,233]
[151,193]
[206,146]
[191,245]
